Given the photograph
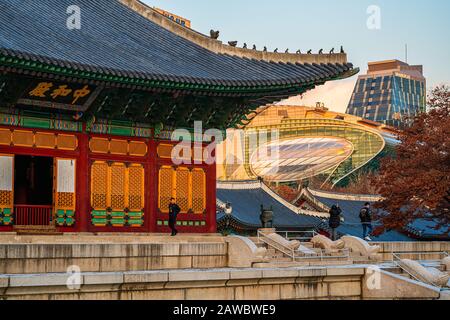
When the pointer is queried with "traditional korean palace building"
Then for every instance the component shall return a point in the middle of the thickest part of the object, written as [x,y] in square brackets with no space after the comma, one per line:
[89,100]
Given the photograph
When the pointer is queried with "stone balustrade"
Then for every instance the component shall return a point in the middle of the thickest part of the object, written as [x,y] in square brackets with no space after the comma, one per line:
[218,284]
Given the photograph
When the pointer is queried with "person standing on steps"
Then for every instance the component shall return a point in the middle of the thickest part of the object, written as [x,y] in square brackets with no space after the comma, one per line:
[335,220]
[174,210]
[366,220]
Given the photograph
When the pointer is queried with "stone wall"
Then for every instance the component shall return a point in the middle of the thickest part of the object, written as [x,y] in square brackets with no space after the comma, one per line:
[431,250]
[214,284]
[112,257]
[349,283]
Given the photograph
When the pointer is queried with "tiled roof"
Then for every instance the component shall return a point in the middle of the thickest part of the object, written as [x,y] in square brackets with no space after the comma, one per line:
[352,224]
[115,40]
[426,229]
[246,204]
[351,206]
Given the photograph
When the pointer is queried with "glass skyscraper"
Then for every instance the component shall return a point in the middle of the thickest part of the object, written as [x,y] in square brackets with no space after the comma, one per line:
[389,93]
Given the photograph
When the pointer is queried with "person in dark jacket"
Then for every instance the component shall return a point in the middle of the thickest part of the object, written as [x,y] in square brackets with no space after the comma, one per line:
[174,210]
[366,220]
[335,220]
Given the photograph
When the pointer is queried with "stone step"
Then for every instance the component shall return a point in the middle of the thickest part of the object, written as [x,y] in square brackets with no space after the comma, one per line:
[291,264]
[40,257]
[36,230]
[280,260]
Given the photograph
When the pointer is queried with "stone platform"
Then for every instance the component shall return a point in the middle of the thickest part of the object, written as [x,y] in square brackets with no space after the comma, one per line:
[410,250]
[349,283]
[110,253]
[202,266]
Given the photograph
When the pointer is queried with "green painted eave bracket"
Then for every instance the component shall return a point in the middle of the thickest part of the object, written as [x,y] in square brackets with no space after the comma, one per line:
[156,84]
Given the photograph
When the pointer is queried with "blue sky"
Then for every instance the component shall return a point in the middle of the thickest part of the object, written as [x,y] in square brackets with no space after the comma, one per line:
[314,24]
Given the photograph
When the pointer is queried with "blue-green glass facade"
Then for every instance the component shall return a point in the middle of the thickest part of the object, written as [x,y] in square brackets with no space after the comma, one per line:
[388,99]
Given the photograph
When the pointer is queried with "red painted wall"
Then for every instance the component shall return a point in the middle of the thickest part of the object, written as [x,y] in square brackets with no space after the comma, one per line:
[151,164]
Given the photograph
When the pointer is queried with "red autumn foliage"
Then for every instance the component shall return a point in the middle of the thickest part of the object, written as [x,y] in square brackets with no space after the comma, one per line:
[416,182]
[287,193]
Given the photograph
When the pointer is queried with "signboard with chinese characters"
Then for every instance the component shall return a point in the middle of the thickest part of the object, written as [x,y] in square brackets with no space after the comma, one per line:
[59,95]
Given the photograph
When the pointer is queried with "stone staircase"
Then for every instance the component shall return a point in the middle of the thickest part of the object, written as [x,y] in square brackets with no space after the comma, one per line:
[278,259]
[399,271]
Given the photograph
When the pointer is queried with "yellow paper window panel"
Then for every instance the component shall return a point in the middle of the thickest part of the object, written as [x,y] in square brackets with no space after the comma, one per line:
[66,142]
[5,137]
[65,181]
[198,191]
[23,138]
[45,140]
[166,187]
[137,148]
[6,199]
[183,189]
[118,147]
[99,185]
[99,145]
[65,200]
[6,181]
[118,186]
[188,188]
[136,185]
[165,151]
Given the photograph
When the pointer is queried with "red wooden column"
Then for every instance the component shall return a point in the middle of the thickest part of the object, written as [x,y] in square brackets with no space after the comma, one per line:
[151,188]
[211,196]
[83,197]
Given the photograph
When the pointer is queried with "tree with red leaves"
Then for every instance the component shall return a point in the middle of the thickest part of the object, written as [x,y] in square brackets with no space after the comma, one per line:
[287,193]
[415,183]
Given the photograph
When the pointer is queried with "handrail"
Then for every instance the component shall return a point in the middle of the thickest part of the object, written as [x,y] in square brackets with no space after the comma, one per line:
[420,254]
[306,238]
[396,260]
[265,239]
[33,215]
[292,253]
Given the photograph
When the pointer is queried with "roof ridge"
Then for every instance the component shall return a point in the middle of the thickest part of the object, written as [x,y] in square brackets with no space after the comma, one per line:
[344,196]
[290,206]
[218,47]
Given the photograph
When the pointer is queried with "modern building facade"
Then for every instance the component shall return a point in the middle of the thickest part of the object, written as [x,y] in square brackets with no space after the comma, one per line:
[389,93]
[87,116]
[295,143]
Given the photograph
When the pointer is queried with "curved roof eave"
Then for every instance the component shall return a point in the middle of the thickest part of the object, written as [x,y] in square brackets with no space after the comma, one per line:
[125,42]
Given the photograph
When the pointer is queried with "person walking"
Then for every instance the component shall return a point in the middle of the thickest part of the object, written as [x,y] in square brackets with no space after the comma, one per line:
[174,210]
[335,220]
[366,220]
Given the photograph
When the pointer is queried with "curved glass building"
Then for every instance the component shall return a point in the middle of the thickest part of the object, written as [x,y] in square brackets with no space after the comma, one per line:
[293,144]
[300,158]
